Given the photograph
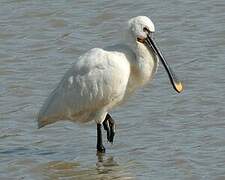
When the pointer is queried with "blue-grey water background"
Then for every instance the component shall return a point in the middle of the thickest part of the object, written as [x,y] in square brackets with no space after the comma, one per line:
[160,134]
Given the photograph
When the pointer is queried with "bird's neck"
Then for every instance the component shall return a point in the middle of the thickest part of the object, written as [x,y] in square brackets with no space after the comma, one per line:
[145,65]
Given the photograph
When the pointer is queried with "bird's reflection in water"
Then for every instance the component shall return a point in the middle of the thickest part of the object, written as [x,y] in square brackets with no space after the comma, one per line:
[106,168]
[105,165]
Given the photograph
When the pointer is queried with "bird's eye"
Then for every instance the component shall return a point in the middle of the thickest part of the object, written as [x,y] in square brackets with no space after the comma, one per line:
[145,29]
[141,40]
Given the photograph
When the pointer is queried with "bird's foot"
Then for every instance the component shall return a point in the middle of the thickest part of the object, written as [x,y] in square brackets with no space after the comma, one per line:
[112,129]
[106,128]
[109,126]
[100,149]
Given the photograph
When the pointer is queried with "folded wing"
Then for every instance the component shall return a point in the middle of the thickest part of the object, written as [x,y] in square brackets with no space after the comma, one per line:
[96,81]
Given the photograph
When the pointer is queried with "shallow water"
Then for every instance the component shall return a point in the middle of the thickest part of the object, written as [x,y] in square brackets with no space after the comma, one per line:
[160,134]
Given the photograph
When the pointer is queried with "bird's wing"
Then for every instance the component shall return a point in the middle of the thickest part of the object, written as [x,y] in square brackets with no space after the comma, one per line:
[98,79]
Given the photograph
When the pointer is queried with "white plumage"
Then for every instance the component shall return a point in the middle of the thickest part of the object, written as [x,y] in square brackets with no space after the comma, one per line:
[103,78]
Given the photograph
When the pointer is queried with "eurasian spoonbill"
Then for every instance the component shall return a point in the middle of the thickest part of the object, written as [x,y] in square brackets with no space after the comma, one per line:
[103,78]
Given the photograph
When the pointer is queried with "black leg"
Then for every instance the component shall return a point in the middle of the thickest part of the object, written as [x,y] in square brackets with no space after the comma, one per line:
[100,147]
[109,126]
[112,128]
[106,127]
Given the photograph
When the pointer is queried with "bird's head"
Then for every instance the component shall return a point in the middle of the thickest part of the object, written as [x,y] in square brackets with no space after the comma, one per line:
[140,27]
[140,30]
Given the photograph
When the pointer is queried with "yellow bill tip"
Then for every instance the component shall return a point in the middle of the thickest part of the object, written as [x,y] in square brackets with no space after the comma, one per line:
[179,87]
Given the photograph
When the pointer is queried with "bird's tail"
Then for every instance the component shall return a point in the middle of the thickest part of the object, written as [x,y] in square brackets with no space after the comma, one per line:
[43,121]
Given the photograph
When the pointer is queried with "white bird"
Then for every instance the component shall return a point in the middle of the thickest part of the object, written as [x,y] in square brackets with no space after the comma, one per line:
[103,78]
